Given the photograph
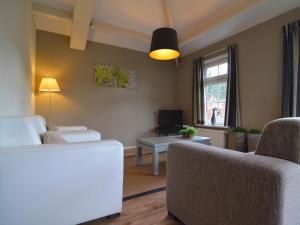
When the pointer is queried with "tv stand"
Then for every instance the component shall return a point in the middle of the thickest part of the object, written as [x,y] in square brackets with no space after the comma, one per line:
[168,130]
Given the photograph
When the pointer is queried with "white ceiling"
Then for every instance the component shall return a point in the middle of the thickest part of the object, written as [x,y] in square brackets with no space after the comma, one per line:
[129,23]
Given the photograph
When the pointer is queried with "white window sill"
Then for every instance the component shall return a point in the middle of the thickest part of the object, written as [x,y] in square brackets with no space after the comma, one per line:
[216,127]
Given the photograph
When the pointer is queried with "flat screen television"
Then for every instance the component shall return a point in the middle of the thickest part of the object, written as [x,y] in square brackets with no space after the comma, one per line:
[170,117]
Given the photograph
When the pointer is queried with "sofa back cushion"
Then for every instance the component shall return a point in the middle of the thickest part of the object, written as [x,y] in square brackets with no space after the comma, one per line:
[21,130]
[38,123]
[281,139]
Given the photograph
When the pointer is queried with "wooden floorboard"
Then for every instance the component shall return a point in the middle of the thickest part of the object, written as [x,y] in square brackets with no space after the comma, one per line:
[147,210]
[132,152]
[139,179]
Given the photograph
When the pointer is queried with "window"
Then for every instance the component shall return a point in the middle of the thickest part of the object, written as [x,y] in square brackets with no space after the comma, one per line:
[215,88]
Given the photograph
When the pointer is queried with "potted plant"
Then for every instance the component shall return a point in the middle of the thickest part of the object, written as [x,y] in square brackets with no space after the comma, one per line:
[188,132]
[236,139]
[253,137]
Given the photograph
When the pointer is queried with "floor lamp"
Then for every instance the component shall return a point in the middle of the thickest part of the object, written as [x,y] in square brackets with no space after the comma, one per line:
[49,85]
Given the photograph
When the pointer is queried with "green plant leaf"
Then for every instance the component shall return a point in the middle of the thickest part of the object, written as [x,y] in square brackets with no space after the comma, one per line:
[255,131]
[239,130]
[189,131]
[122,78]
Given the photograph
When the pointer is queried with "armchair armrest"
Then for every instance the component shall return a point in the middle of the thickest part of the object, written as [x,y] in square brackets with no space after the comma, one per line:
[54,137]
[60,183]
[231,187]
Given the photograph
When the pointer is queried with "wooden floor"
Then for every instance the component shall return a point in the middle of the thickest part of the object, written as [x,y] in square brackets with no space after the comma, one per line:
[147,210]
[139,179]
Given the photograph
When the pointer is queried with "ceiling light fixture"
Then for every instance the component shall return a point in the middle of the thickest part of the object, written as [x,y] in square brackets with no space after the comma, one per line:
[164,44]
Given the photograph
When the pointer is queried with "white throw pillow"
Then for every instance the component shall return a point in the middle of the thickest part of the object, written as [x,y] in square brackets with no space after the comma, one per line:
[53,137]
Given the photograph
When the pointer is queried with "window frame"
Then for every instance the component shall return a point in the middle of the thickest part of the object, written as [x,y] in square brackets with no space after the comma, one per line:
[208,63]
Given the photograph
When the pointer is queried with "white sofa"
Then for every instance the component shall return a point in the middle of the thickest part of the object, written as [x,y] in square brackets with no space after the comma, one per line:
[56,184]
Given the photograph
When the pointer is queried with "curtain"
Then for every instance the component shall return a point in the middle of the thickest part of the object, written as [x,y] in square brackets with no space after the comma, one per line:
[290,103]
[198,91]
[232,109]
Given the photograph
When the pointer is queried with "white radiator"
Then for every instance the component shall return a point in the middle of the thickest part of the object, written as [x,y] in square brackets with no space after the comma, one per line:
[218,137]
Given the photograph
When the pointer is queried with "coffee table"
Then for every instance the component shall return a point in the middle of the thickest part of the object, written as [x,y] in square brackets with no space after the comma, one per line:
[161,144]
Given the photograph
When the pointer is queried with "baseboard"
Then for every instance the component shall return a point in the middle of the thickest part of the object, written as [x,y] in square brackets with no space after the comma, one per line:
[131,151]
[138,195]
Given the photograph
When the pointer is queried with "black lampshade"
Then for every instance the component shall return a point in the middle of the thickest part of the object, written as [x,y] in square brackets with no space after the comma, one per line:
[164,44]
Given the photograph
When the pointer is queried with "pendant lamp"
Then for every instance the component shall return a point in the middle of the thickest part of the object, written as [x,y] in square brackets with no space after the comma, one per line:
[164,44]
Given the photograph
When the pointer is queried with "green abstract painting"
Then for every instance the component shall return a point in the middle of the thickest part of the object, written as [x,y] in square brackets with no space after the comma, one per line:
[115,76]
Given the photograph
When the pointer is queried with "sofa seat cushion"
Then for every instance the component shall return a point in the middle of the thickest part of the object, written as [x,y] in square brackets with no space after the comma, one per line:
[18,131]
[281,139]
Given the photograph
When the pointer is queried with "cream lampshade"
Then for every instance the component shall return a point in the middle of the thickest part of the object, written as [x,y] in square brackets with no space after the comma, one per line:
[49,84]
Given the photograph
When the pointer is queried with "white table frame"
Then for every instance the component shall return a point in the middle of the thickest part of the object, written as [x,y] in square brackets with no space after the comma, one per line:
[160,144]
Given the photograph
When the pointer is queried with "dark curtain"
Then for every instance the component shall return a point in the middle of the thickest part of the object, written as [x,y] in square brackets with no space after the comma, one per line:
[232,109]
[198,91]
[290,103]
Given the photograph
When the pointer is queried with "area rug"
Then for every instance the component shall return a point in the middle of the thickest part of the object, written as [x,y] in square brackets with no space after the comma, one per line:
[146,210]
[139,179]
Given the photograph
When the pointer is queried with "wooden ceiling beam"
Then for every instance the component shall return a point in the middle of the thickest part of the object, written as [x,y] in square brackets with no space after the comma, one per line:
[52,20]
[82,17]
[98,25]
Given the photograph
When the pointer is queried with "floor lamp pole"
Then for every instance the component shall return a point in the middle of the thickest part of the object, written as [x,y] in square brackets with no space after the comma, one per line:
[50,107]
[49,85]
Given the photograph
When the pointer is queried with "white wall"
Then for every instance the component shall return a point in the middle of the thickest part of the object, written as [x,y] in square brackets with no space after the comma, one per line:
[17,57]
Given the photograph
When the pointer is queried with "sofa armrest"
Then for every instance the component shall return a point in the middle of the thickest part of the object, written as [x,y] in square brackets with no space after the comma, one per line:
[54,137]
[60,183]
[218,186]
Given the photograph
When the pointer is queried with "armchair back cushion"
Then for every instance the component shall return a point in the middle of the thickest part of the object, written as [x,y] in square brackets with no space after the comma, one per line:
[281,139]
[38,123]
[21,130]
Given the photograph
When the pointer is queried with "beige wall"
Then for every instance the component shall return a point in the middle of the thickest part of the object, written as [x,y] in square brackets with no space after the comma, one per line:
[121,114]
[260,52]
[127,114]
[17,52]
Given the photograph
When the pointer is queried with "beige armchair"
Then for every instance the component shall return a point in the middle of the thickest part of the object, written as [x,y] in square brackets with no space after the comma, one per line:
[213,186]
